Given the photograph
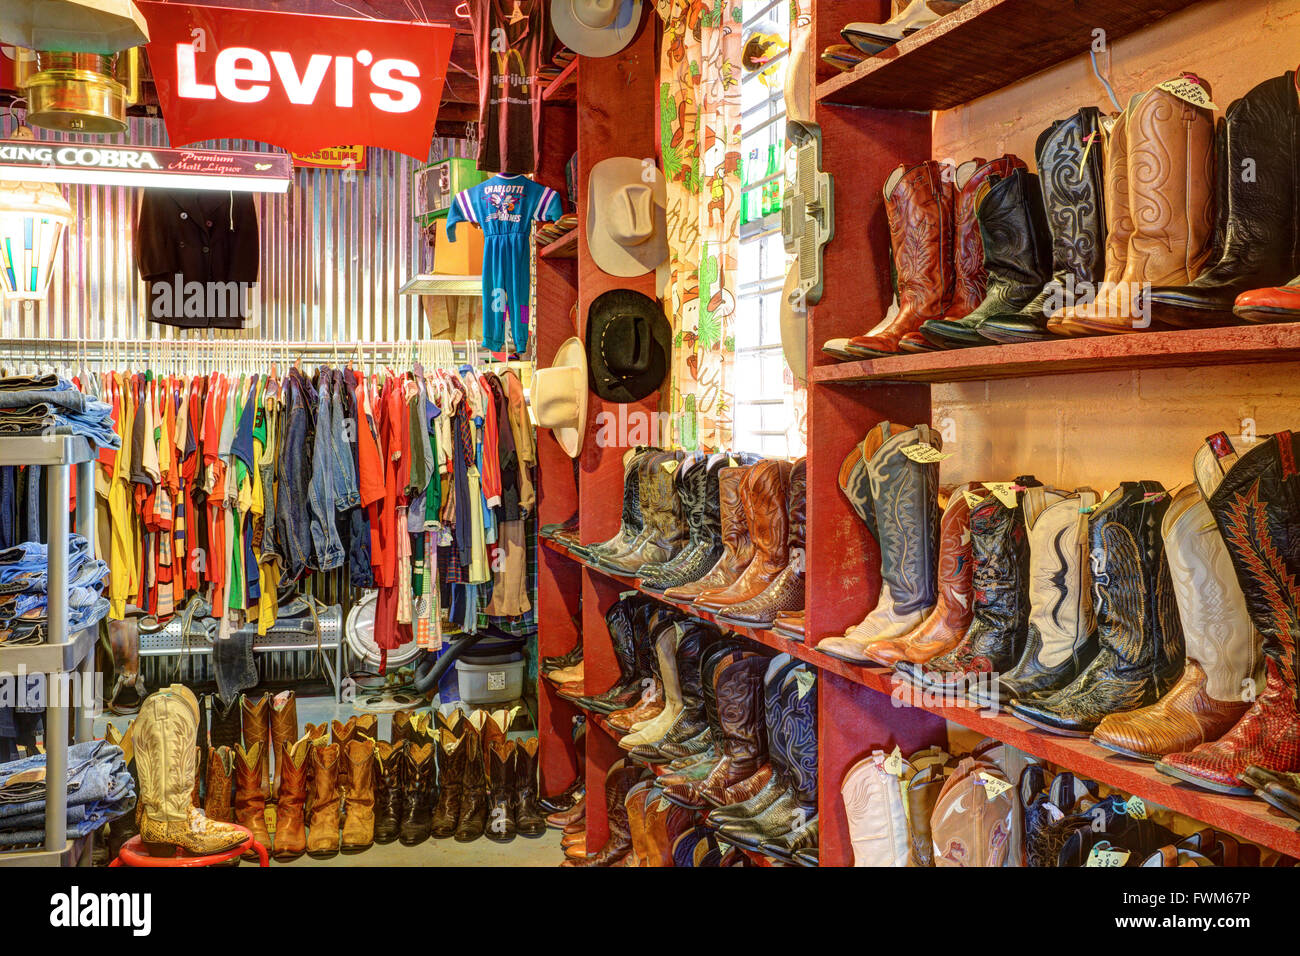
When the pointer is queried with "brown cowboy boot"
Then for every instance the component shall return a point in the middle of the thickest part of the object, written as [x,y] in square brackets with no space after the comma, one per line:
[284,730]
[359,807]
[220,805]
[769,530]
[250,794]
[323,829]
[256,717]
[290,804]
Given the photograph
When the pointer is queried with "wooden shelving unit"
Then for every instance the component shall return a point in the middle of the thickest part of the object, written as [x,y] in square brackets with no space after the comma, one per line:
[872,119]
[564,88]
[565,247]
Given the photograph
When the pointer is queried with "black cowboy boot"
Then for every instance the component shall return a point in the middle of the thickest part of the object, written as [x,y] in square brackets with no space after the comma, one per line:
[417,793]
[630,526]
[1259,225]
[389,795]
[501,791]
[689,482]
[1000,586]
[1076,218]
[621,620]
[1140,636]
[1017,258]
[473,791]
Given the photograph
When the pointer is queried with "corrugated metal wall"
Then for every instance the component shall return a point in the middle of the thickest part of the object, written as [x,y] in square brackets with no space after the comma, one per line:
[336,249]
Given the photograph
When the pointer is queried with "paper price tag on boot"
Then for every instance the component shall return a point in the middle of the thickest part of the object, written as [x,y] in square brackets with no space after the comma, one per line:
[894,763]
[972,499]
[993,786]
[804,680]
[1188,89]
[924,454]
[1004,491]
[1136,808]
[1103,854]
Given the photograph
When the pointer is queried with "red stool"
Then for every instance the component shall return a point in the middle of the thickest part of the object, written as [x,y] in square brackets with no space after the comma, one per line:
[133,853]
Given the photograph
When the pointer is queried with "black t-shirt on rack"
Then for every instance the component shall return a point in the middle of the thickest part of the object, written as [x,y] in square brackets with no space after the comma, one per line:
[512,38]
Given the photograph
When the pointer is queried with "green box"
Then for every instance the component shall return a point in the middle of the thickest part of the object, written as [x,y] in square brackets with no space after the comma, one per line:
[436,184]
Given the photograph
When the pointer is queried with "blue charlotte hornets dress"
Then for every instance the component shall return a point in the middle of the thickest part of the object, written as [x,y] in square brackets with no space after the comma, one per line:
[506,207]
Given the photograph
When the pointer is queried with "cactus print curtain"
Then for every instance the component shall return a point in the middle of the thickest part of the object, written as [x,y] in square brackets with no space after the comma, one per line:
[699,140]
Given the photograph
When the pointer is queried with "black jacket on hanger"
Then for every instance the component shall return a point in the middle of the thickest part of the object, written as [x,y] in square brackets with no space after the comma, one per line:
[207,236]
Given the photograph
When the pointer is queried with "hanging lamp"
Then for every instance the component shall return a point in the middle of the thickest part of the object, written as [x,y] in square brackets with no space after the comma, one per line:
[75,26]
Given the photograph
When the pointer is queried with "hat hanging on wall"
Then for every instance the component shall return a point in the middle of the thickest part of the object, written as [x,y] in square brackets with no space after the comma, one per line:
[595,27]
[627,227]
[558,396]
[794,326]
[628,344]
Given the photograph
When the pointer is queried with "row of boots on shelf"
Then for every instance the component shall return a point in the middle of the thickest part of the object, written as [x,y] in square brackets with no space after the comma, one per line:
[723,532]
[727,732]
[1144,220]
[1160,624]
[445,773]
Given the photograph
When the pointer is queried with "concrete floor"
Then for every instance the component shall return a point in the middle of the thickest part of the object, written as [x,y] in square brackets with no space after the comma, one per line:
[521,851]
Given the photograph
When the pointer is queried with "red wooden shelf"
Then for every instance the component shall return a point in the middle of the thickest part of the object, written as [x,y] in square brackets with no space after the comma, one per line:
[1185,347]
[984,46]
[566,247]
[564,88]
[1244,816]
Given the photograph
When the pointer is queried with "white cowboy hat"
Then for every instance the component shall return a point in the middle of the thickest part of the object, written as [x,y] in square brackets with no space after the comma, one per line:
[595,27]
[627,220]
[558,396]
[794,326]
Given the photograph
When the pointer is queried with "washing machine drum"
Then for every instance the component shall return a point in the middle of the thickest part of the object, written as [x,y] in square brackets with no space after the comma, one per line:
[360,636]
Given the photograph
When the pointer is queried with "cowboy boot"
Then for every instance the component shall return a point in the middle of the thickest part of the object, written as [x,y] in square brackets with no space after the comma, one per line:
[402,731]
[163,736]
[649,731]
[368,725]
[743,768]
[1261,241]
[529,820]
[250,794]
[708,513]
[768,525]
[1017,257]
[496,727]
[1070,172]
[693,760]
[1000,585]
[1223,656]
[737,546]
[876,812]
[790,624]
[635,804]
[619,621]
[897,499]
[342,735]
[618,781]
[1118,230]
[947,623]
[448,716]
[323,821]
[256,718]
[1276,304]
[1171,203]
[1140,653]
[786,592]
[689,720]
[970,280]
[921,795]
[122,828]
[661,509]
[794,756]
[630,526]
[416,775]
[655,459]
[908,18]
[359,807]
[1062,637]
[649,619]
[689,486]
[389,784]
[500,757]
[284,729]
[1254,503]
[473,792]
[919,205]
[219,803]
[290,804]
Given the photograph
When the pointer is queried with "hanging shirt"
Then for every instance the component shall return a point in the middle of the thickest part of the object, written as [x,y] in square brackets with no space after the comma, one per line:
[506,207]
[511,40]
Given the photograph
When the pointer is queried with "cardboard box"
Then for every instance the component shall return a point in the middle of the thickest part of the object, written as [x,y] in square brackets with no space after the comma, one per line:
[464,257]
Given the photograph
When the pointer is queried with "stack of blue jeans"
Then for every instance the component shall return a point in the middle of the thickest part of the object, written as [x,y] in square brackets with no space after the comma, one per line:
[23,585]
[99,787]
[49,405]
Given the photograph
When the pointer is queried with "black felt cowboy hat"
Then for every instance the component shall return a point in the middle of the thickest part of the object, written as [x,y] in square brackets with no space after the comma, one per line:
[628,344]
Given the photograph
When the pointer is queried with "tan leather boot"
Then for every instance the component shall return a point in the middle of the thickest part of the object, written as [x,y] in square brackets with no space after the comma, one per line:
[635,803]
[250,794]
[164,734]
[323,823]
[255,715]
[359,807]
[1223,651]
[765,509]
[221,785]
[1171,203]
[290,805]
[342,735]
[368,726]
[284,730]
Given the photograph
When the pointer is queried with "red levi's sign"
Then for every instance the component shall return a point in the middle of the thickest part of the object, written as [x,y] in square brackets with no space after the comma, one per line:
[300,82]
